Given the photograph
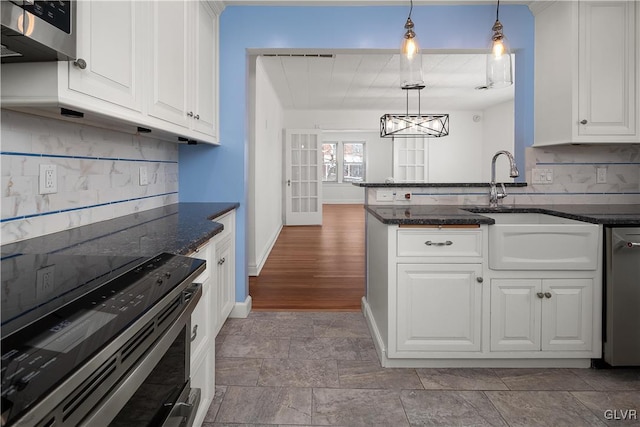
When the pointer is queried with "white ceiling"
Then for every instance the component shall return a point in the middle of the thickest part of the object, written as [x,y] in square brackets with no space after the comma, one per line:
[371,81]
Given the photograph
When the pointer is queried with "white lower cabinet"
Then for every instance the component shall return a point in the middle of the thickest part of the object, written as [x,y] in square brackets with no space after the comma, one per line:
[439,307]
[433,301]
[541,314]
[216,302]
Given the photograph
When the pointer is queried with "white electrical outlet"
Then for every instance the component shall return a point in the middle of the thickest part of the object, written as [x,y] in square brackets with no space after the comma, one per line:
[144,177]
[48,179]
[384,196]
[45,280]
[601,175]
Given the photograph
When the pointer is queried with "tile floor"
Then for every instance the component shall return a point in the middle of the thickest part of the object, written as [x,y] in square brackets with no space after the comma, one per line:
[300,368]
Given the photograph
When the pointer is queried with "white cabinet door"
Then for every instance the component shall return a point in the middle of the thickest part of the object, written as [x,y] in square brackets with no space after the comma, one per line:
[225,265]
[547,314]
[587,71]
[607,68]
[515,314]
[169,61]
[205,70]
[113,55]
[438,307]
[567,314]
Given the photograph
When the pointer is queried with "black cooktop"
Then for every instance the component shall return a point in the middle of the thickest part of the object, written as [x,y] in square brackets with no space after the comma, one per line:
[60,310]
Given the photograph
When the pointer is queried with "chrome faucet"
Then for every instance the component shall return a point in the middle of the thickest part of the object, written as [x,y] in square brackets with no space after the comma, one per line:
[494,195]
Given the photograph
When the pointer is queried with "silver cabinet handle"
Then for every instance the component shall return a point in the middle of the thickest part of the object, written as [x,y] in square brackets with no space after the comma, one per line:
[547,294]
[430,243]
[289,182]
[540,295]
[632,244]
[80,63]
[197,117]
[222,261]
[194,332]
[190,114]
[479,279]
[583,122]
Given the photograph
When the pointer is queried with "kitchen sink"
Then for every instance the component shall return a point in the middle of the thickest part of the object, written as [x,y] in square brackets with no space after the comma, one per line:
[537,241]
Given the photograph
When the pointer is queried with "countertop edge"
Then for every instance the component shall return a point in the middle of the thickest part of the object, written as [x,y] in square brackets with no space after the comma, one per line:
[433,184]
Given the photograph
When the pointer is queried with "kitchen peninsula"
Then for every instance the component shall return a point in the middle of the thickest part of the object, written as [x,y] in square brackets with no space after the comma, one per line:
[468,285]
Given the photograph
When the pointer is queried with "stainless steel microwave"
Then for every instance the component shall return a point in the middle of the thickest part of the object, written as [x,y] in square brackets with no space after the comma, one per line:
[35,31]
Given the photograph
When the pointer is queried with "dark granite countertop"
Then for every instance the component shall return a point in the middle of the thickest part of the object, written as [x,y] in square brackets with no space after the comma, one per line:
[432,184]
[609,215]
[179,228]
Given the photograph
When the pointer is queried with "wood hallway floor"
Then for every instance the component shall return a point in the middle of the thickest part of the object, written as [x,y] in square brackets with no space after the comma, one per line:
[315,268]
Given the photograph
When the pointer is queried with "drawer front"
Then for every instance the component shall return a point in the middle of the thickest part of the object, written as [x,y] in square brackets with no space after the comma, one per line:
[442,243]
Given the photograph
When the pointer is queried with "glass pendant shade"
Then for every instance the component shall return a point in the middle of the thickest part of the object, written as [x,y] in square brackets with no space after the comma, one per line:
[410,59]
[499,67]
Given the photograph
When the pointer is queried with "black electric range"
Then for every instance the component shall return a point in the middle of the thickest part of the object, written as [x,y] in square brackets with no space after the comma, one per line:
[60,310]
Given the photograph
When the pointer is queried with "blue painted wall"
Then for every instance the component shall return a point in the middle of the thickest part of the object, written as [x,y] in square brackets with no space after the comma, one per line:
[210,173]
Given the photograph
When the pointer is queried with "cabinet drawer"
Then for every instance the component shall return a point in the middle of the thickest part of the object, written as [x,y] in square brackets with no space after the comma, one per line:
[441,243]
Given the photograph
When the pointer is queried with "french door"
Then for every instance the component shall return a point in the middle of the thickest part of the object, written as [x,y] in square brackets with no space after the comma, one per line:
[303,177]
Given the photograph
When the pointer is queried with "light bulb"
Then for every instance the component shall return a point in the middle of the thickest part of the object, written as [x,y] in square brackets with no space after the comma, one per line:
[409,47]
[498,48]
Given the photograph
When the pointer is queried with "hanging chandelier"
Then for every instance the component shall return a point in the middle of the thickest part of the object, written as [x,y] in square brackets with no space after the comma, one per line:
[412,125]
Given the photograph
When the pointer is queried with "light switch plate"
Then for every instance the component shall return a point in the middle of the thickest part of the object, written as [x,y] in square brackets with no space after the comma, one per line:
[601,175]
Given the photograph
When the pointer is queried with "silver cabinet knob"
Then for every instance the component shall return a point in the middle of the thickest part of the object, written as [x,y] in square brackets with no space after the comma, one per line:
[547,294]
[540,295]
[197,117]
[190,114]
[80,63]
[479,279]
[194,332]
[583,122]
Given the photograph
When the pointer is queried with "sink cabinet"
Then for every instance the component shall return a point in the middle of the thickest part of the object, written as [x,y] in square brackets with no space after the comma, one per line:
[433,299]
[541,314]
[587,72]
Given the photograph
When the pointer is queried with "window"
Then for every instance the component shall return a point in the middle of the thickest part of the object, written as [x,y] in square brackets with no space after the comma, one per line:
[343,161]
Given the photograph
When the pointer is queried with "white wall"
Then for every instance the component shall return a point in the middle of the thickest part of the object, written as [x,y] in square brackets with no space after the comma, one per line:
[458,157]
[498,130]
[265,169]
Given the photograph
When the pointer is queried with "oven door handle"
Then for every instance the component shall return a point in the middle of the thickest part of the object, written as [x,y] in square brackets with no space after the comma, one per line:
[183,414]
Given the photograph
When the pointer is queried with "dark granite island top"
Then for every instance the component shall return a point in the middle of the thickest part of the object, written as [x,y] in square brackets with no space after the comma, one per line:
[179,229]
[609,215]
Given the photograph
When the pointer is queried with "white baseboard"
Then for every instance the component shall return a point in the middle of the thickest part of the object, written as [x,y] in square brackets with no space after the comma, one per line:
[255,269]
[241,309]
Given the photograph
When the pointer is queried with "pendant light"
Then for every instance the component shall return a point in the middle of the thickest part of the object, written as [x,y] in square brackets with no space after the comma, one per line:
[410,57]
[499,70]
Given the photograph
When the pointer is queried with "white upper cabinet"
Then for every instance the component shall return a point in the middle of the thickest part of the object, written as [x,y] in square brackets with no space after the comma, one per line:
[112,70]
[169,61]
[147,64]
[586,72]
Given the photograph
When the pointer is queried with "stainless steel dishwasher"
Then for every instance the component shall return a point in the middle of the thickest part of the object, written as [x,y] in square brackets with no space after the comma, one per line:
[622,297]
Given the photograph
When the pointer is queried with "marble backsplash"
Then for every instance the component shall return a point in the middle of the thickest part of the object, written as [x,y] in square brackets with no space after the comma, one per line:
[574,179]
[97,175]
